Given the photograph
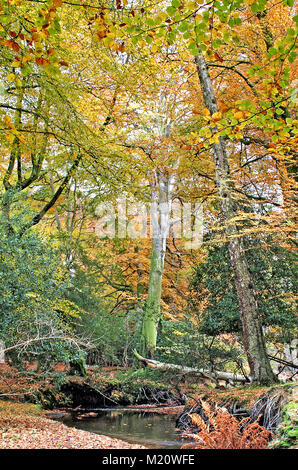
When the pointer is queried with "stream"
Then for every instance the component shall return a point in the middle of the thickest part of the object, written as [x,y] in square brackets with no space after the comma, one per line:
[153,431]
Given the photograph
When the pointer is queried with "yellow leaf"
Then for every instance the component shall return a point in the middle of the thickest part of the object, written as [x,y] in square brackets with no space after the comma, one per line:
[9,138]
[216,138]
[217,116]
[26,58]
[10,77]
[7,120]
[239,115]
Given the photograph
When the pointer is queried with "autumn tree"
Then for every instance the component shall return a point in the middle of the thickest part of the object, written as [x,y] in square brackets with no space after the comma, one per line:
[203,31]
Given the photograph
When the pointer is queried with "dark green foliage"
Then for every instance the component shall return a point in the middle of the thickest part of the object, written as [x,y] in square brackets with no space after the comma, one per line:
[111,336]
[78,365]
[273,270]
[181,343]
[113,332]
[222,314]
[32,281]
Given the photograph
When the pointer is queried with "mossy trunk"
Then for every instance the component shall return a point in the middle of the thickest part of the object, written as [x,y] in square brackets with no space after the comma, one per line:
[161,200]
[253,338]
[152,309]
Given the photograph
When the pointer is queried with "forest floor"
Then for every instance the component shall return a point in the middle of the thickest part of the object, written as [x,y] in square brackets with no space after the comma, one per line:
[23,426]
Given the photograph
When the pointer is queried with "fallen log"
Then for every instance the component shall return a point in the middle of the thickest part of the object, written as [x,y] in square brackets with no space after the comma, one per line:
[212,375]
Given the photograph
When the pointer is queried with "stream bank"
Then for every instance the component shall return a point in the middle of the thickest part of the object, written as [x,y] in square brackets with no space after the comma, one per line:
[157,409]
[137,406]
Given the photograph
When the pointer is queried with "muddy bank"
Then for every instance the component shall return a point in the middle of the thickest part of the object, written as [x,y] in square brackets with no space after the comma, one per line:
[89,395]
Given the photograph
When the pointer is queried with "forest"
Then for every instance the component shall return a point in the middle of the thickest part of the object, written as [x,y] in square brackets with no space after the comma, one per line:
[148,219]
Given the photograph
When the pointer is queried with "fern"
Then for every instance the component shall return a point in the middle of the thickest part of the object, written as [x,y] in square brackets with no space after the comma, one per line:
[223,431]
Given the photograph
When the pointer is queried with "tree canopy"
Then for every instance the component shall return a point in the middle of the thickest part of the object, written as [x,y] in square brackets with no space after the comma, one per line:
[148,171]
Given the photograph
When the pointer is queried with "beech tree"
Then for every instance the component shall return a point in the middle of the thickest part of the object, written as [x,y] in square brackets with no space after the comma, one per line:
[78,81]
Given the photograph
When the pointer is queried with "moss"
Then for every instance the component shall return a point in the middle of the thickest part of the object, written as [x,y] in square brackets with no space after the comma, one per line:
[287,432]
[152,310]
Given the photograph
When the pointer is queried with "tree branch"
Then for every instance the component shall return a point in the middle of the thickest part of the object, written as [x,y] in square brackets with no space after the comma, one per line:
[36,219]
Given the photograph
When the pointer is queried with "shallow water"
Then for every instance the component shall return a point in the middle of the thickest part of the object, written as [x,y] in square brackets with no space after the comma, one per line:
[151,431]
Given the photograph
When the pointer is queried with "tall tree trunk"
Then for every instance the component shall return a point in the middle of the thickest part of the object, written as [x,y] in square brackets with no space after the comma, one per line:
[253,337]
[152,309]
[160,218]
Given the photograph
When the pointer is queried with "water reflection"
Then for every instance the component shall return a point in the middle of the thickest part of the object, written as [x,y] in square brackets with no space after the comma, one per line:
[152,431]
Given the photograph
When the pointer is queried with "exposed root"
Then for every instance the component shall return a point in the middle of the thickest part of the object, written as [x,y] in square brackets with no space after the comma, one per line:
[267,411]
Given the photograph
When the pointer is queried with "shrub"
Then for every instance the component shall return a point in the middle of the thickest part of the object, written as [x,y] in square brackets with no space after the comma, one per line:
[33,282]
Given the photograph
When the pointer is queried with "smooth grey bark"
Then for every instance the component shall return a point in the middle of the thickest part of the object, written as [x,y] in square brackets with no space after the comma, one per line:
[161,203]
[162,187]
[253,337]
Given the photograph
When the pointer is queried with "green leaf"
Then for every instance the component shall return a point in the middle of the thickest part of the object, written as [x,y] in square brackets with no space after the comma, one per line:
[237,21]
[292,57]
[193,48]
[183,27]
[254,7]
[274,138]
[171,11]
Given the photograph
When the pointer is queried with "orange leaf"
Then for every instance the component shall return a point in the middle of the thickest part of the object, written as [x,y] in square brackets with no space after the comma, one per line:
[15,46]
[220,59]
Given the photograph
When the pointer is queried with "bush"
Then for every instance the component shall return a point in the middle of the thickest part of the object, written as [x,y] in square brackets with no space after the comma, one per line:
[32,283]
[180,342]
